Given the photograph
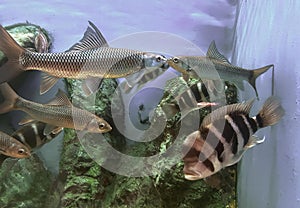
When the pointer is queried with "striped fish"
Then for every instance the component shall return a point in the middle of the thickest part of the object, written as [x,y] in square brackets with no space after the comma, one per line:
[32,136]
[141,78]
[195,97]
[224,135]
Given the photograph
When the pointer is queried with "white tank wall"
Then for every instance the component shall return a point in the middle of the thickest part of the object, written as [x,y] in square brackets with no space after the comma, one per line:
[268,32]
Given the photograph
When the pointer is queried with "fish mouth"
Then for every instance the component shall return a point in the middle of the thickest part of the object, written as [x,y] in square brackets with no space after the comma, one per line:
[165,65]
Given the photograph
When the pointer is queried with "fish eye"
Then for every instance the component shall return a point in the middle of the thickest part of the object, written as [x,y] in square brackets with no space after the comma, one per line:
[175,60]
[21,151]
[102,125]
[158,58]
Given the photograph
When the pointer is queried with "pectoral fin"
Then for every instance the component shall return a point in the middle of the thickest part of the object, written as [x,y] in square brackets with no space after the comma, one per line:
[47,83]
[26,120]
[254,140]
[91,85]
[51,129]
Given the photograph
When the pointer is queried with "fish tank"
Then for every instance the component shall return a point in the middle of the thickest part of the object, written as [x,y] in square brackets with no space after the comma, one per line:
[137,157]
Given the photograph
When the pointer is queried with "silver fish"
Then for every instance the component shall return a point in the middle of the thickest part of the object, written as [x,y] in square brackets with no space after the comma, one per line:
[89,59]
[57,113]
[11,147]
[216,66]
[224,136]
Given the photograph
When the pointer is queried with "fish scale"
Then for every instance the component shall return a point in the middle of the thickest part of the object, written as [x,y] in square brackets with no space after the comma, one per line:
[90,58]
[96,62]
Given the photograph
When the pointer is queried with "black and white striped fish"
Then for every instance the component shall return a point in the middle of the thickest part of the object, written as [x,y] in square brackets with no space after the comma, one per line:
[224,135]
[141,78]
[195,97]
[32,136]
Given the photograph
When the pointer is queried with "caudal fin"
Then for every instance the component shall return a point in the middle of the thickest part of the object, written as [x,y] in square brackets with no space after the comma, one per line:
[10,98]
[270,113]
[12,51]
[257,73]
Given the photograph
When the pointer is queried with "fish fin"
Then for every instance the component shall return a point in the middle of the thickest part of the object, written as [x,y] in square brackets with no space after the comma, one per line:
[254,140]
[26,120]
[51,129]
[92,38]
[256,73]
[60,99]
[221,112]
[200,105]
[47,82]
[12,50]
[10,98]
[91,85]
[213,52]
[270,113]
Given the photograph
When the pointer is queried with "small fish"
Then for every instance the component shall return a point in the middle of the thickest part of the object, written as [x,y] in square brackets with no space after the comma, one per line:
[41,42]
[142,77]
[224,135]
[11,147]
[195,97]
[32,135]
[57,113]
[90,59]
[215,66]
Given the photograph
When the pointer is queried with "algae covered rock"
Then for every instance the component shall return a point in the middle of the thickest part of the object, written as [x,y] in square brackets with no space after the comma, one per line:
[24,182]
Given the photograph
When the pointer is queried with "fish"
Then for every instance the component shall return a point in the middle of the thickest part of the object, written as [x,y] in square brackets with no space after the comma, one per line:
[32,136]
[216,66]
[141,78]
[58,113]
[11,147]
[90,59]
[194,97]
[224,135]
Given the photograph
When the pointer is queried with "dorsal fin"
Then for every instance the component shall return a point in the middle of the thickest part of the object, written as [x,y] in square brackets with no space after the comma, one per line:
[60,99]
[92,38]
[225,110]
[213,52]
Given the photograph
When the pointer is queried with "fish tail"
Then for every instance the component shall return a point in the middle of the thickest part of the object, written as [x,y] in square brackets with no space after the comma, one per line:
[270,113]
[256,73]
[10,98]
[12,51]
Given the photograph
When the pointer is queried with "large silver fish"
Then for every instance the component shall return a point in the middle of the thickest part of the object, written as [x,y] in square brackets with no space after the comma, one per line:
[216,66]
[58,113]
[89,59]
[224,136]
[32,136]
[11,147]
